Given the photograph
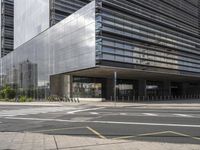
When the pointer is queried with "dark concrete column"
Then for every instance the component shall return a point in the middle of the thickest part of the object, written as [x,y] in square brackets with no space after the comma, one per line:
[167,88]
[67,85]
[109,88]
[142,87]
[55,85]
[61,85]
[185,87]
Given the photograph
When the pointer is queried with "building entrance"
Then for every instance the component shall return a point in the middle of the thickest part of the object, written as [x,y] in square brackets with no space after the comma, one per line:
[176,89]
[126,89]
[154,88]
[83,87]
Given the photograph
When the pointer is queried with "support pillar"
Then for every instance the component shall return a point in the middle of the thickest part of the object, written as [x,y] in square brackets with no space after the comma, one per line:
[167,88]
[185,87]
[67,86]
[55,85]
[109,89]
[142,88]
[61,85]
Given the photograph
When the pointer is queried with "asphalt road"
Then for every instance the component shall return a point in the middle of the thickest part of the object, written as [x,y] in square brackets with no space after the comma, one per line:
[130,123]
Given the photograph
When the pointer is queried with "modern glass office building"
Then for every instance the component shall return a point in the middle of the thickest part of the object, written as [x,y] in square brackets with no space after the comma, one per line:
[154,46]
[6,26]
[31,17]
[35,16]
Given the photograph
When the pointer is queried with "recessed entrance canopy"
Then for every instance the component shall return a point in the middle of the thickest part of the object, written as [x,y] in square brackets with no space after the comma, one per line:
[107,72]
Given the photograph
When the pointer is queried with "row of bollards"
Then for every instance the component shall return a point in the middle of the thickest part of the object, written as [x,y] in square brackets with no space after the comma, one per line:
[155,98]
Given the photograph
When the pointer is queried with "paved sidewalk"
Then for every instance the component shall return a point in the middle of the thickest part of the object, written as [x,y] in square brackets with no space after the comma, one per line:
[56,104]
[150,105]
[34,141]
[167,105]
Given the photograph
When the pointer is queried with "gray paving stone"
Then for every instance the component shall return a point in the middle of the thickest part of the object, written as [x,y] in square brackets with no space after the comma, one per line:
[34,141]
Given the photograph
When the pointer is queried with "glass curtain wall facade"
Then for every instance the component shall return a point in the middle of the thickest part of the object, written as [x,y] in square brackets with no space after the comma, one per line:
[67,46]
[6,26]
[161,36]
[31,18]
[60,9]
[35,16]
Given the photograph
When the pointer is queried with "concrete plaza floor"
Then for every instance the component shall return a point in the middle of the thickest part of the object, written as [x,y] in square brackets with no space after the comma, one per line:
[35,141]
[165,104]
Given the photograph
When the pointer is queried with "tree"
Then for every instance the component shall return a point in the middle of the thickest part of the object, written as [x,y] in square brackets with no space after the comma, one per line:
[8,92]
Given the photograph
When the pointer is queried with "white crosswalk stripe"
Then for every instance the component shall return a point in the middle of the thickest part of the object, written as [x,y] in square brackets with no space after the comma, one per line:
[183,115]
[123,114]
[83,110]
[87,111]
[29,111]
[150,114]
[70,113]
[94,113]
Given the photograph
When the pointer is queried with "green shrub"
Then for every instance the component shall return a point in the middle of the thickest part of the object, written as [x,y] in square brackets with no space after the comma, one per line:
[11,94]
[50,98]
[2,94]
[22,99]
[8,93]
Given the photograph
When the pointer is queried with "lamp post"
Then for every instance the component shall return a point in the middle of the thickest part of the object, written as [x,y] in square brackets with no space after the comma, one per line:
[115,88]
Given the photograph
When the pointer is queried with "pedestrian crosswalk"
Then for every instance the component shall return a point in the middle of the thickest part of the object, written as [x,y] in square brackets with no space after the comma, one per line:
[183,115]
[150,114]
[139,114]
[97,111]
[165,115]
[123,114]
[32,111]
[94,113]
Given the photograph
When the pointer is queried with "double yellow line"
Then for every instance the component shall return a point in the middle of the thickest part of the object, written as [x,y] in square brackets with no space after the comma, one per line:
[57,129]
[157,133]
[73,128]
[122,137]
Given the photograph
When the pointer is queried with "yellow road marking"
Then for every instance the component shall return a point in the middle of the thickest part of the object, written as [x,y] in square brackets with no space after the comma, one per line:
[57,129]
[140,135]
[96,133]
[185,135]
[123,137]
[154,133]
[157,133]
